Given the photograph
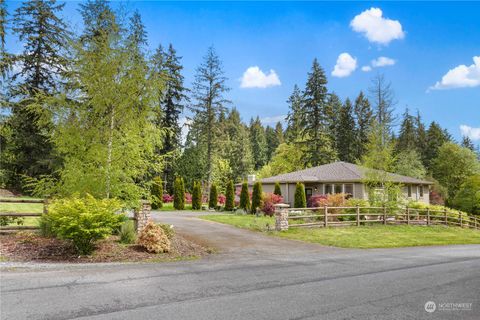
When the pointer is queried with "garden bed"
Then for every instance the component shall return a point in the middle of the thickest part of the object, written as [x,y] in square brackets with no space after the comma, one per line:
[29,246]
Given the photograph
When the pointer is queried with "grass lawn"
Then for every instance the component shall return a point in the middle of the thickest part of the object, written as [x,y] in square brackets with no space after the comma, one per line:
[378,236]
[23,208]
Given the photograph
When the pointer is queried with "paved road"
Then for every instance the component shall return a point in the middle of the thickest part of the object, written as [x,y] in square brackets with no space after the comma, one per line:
[254,277]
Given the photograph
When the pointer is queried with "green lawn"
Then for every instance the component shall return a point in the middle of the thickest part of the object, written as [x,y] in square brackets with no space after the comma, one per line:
[358,237]
[23,208]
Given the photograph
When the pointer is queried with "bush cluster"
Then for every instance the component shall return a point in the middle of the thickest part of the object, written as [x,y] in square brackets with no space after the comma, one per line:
[154,239]
[269,202]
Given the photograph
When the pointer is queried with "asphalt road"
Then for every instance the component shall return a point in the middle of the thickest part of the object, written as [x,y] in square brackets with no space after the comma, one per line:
[254,277]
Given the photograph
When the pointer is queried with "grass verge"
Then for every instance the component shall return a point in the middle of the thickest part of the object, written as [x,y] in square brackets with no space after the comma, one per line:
[378,236]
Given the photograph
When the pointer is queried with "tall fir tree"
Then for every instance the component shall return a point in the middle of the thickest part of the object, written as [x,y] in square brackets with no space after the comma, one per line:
[421,137]
[258,142]
[208,92]
[436,137]
[317,141]
[407,138]
[467,143]
[332,112]
[346,133]
[272,142]
[279,132]
[294,117]
[363,118]
[383,99]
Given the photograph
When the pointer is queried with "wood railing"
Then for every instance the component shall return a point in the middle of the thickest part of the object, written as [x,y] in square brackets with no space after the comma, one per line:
[21,214]
[359,216]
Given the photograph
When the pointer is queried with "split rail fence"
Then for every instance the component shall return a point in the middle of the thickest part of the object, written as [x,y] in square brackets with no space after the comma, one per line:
[359,216]
[22,214]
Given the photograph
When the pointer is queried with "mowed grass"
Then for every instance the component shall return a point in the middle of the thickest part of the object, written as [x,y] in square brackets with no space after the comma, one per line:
[23,208]
[378,236]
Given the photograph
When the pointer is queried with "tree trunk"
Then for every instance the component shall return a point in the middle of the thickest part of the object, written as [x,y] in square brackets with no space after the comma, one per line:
[109,152]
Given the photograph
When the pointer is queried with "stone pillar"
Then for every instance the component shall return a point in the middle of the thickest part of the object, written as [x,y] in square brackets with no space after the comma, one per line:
[141,215]
[281,216]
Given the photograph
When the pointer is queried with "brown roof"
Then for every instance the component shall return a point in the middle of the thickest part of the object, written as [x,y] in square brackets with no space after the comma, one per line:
[336,172]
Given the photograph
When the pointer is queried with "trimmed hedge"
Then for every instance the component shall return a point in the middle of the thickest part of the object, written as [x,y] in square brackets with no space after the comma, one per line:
[179,194]
[230,196]
[300,198]
[277,190]
[244,197]
[213,199]
[196,196]
[256,196]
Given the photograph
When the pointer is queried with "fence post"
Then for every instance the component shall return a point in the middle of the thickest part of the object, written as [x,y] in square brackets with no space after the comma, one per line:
[325,215]
[142,215]
[475,222]
[407,209]
[358,215]
[281,216]
[428,216]
[446,217]
[461,220]
[384,215]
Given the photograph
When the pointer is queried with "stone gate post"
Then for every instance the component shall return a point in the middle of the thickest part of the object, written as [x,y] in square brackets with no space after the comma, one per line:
[142,215]
[281,216]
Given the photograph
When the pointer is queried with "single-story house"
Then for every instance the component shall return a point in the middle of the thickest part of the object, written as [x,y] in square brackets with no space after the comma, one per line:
[340,177]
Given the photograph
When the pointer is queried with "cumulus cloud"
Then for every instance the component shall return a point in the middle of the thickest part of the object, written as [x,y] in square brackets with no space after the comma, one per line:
[383,62]
[273,119]
[254,77]
[460,77]
[366,68]
[472,133]
[376,28]
[346,64]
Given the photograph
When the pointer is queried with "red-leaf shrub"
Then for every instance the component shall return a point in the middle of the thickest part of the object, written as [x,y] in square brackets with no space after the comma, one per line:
[221,199]
[188,197]
[269,200]
[167,198]
[317,200]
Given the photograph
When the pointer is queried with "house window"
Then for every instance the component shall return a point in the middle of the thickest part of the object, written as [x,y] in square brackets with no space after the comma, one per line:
[308,193]
[338,188]
[421,191]
[349,189]
[328,189]
[409,191]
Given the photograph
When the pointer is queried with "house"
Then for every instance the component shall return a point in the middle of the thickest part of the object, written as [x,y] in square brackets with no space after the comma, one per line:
[340,177]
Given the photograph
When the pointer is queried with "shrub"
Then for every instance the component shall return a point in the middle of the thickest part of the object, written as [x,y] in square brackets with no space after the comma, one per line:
[468,197]
[230,196]
[196,196]
[84,221]
[300,198]
[188,198]
[317,200]
[221,199]
[5,221]
[244,197]
[157,193]
[154,239]
[256,196]
[277,190]
[179,194]
[269,201]
[167,198]
[213,199]
[168,230]
[127,233]
[45,227]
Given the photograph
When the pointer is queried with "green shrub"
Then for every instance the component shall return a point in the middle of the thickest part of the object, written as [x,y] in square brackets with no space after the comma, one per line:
[179,194]
[127,233]
[45,226]
[196,196]
[468,197]
[168,230]
[300,198]
[213,199]
[244,197]
[5,221]
[277,190]
[84,221]
[256,196]
[229,196]
[157,193]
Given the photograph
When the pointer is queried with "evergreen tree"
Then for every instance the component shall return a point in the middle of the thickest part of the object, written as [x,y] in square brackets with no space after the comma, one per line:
[363,117]
[213,198]
[383,99]
[318,144]
[300,198]
[409,163]
[294,117]
[179,194]
[258,142]
[277,190]
[346,138]
[421,138]
[332,111]
[272,142]
[256,196]
[209,88]
[407,139]
[245,197]
[157,193]
[196,196]
[467,143]
[279,133]
[5,58]
[436,137]
[230,196]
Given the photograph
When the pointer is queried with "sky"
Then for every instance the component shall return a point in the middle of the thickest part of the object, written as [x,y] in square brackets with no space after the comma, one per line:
[429,51]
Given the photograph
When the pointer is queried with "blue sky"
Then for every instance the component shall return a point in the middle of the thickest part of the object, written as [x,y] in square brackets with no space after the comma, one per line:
[424,42]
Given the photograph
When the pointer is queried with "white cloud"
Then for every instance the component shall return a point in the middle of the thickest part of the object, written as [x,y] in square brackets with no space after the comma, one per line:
[253,77]
[366,68]
[382,62]
[274,119]
[377,28]
[472,133]
[346,64]
[461,77]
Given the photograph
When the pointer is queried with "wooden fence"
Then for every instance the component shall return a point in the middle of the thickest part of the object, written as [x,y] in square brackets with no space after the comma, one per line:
[359,216]
[23,214]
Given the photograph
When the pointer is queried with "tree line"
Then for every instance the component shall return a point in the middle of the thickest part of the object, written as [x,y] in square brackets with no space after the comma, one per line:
[96,112]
